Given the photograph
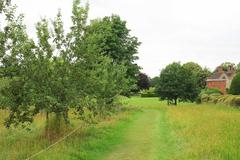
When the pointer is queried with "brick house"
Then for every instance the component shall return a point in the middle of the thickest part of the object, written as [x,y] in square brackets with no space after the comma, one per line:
[221,79]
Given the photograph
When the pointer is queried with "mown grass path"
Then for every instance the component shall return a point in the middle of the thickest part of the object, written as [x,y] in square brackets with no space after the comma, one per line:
[146,139]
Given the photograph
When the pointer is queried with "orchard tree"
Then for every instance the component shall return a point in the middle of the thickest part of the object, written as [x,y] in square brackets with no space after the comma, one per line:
[177,83]
[143,81]
[58,72]
[16,54]
[38,79]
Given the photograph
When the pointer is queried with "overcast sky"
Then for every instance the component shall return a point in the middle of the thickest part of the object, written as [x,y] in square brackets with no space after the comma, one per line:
[203,31]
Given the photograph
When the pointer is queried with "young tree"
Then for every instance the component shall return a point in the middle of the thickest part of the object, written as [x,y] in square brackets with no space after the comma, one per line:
[176,83]
[42,74]
[16,53]
[57,73]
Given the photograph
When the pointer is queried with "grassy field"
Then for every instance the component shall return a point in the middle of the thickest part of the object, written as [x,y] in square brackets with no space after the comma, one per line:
[147,130]
[87,143]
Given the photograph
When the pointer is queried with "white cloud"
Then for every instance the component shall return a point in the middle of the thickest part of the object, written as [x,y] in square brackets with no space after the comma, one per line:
[206,31]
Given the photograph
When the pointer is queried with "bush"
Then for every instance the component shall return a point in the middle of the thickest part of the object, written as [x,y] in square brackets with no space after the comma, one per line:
[148,93]
[235,86]
[237,101]
[210,91]
[229,100]
[204,98]
[207,95]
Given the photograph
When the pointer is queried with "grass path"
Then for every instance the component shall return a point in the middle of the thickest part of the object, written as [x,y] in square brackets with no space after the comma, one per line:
[146,138]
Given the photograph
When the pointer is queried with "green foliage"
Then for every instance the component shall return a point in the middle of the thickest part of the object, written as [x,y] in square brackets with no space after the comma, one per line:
[200,74]
[238,68]
[110,36]
[210,91]
[151,92]
[226,65]
[177,83]
[230,100]
[154,81]
[62,71]
[206,93]
[4,4]
[235,85]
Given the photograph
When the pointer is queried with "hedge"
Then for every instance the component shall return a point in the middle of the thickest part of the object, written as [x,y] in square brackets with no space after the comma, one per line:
[148,93]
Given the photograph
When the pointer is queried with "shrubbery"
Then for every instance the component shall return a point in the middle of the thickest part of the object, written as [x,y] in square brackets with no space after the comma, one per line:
[148,92]
[210,91]
[235,86]
[205,94]
[216,97]
[230,100]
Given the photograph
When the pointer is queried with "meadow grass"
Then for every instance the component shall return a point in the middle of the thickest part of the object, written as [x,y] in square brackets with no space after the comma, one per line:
[200,132]
[87,143]
[148,128]
[206,131]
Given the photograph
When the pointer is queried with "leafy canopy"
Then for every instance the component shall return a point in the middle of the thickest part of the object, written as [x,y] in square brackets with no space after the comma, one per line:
[111,37]
[177,83]
[61,71]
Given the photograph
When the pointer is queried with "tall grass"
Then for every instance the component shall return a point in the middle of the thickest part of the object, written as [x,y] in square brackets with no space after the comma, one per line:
[206,131]
[194,132]
[87,143]
[201,132]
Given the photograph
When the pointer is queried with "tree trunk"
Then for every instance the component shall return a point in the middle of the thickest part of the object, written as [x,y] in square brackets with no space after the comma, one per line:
[47,117]
[66,117]
[47,127]
[57,122]
[175,101]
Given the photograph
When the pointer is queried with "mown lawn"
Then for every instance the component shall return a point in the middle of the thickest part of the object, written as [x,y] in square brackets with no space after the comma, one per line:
[147,130]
